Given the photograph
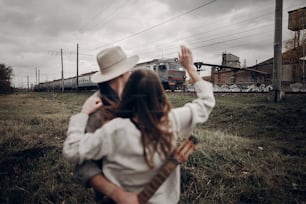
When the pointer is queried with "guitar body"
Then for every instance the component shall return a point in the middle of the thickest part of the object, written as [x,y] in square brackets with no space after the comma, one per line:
[178,156]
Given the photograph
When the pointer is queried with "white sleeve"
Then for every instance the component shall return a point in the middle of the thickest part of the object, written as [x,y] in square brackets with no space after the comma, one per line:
[79,146]
[185,118]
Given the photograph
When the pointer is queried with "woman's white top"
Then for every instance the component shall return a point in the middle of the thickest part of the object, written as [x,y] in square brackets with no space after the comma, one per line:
[118,142]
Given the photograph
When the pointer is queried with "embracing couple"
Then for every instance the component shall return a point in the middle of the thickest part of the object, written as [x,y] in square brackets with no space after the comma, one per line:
[125,132]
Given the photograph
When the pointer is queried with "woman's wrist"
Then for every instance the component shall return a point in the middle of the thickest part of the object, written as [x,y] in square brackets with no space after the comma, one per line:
[194,75]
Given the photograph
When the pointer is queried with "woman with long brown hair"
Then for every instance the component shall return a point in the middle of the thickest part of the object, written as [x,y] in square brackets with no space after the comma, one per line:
[143,132]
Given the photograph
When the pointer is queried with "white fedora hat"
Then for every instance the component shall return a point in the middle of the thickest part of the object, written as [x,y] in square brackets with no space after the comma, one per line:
[113,62]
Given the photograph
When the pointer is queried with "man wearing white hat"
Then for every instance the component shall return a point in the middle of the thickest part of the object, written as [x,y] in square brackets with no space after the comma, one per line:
[114,72]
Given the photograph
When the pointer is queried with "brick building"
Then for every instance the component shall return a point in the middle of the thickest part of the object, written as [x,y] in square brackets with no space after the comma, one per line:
[293,71]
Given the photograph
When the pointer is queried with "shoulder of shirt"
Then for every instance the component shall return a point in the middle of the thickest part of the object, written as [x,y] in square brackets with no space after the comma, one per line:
[117,123]
[119,127]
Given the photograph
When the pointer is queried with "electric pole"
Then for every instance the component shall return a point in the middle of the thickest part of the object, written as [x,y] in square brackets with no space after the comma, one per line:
[36,75]
[62,70]
[28,83]
[77,75]
[277,60]
[38,79]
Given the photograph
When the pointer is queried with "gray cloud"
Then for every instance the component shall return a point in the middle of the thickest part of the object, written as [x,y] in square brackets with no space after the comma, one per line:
[33,31]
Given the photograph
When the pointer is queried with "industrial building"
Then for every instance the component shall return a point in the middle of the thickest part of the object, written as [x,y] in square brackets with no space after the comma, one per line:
[293,72]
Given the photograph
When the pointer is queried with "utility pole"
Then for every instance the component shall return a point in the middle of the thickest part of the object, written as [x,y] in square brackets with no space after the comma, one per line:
[304,64]
[62,70]
[277,60]
[77,75]
[39,79]
[28,83]
[36,75]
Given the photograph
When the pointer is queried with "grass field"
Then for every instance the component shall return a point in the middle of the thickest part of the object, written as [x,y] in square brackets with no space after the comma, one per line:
[250,151]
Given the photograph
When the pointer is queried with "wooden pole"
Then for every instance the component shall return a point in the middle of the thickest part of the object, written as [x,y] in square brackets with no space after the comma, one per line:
[28,83]
[62,70]
[77,75]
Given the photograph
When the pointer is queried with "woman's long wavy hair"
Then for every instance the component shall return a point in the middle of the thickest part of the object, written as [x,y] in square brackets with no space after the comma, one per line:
[144,101]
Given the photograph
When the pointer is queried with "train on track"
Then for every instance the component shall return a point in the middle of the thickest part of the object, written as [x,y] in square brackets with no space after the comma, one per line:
[171,73]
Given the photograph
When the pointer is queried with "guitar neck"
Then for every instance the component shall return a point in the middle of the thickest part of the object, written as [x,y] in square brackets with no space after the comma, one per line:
[157,180]
[179,155]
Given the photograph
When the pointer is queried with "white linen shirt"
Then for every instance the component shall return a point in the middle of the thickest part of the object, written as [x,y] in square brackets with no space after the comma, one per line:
[118,142]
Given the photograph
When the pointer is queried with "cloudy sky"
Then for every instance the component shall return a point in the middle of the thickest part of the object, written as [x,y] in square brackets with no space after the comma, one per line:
[34,31]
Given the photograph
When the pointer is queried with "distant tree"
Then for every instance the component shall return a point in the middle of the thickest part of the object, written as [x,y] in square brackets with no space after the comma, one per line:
[5,79]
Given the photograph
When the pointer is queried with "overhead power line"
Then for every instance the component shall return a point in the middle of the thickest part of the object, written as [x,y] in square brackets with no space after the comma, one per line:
[173,42]
[206,39]
[215,43]
[109,12]
[90,20]
[157,25]
[55,52]
[113,14]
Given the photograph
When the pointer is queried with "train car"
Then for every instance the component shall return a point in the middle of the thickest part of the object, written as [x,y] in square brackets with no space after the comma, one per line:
[48,86]
[70,84]
[85,82]
[171,73]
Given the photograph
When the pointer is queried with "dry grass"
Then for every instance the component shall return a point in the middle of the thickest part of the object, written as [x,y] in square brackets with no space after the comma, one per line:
[33,128]
[250,151]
